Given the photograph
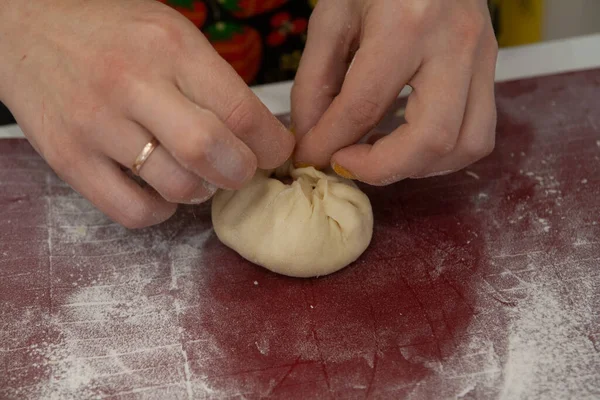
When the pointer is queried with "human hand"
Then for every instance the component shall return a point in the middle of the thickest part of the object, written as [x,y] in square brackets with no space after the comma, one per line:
[91,82]
[445,50]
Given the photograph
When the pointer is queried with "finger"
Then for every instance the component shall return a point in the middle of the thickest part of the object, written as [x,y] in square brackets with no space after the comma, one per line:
[434,114]
[478,132]
[209,81]
[194,136]
[161,171]
[324,63]
[102,181]
[370,87]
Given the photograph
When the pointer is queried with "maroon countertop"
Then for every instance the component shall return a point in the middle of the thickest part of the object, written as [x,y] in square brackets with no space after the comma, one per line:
[484,284]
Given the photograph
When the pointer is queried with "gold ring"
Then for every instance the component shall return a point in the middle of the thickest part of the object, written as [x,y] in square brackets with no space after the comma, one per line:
[143,156]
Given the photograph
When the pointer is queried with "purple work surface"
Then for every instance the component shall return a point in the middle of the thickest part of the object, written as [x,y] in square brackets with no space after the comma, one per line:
[482,284]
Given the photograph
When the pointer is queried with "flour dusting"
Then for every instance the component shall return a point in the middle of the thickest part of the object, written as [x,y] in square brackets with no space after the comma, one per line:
[115,324]
[549,352]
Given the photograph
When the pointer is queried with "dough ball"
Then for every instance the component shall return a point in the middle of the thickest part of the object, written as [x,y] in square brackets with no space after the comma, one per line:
[316,225]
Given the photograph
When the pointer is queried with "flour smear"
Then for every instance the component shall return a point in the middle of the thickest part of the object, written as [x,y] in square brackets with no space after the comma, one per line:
[113,332]
[536,335]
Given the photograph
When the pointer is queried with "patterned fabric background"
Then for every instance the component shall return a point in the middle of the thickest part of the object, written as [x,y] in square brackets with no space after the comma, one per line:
[261,39]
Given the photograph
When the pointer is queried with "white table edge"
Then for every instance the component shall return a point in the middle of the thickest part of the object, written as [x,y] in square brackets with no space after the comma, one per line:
[546,58]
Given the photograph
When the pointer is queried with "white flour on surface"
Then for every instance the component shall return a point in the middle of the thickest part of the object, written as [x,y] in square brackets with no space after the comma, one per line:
[114,328]
[549,352]
[114,338]
[547,313]
[545,348]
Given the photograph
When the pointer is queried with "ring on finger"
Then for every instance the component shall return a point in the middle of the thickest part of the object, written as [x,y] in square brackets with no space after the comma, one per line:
[144,155]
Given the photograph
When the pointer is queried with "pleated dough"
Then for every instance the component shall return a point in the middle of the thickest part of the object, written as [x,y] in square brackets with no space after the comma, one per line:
[314,226]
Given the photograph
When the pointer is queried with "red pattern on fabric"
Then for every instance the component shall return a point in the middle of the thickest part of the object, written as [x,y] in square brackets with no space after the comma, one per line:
[283,27]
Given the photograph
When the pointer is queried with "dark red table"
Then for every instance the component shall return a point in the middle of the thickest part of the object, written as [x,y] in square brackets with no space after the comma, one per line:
[484,284]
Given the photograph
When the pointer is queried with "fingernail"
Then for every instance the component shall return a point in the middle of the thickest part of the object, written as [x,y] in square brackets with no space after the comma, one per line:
[303,165]
[207,190]
[343,172]
[293,127]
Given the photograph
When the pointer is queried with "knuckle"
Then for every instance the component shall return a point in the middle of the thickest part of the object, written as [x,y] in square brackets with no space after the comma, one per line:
[163,30]
[364,112]
[470,27]
[415,14]
[484,144]
[180,189]
[242,115]
[441,148]
[488,147]
[479,149]
[129,90]
[444,142]
[114,78]
[492,42]
[195,149]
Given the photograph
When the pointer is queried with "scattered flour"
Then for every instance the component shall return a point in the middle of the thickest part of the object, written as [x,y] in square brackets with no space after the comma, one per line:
[547,351]
[114,339]
[548,344]
[116,331]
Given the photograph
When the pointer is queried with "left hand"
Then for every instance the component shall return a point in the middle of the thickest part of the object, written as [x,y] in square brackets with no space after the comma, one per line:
[445,50]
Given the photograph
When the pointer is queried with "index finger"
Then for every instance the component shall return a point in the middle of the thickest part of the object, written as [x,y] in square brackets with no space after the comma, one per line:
[373,81]
[434,115]
[209,81]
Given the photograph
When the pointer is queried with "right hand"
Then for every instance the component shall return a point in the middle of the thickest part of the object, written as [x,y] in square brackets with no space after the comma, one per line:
[90,82]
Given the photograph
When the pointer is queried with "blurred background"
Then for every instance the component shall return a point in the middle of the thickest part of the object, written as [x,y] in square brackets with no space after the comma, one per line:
[518,22]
